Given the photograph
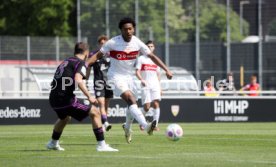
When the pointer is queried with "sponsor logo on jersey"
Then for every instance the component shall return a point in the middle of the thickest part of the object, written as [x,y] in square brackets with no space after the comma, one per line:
[98,93]
[121,55]
[149,67]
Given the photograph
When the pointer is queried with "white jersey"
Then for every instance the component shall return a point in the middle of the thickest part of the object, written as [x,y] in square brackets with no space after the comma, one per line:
[123,54]
[149,71]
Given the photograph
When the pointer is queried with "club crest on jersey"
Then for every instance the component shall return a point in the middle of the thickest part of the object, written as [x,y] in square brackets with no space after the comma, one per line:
[175,110]
[98,93]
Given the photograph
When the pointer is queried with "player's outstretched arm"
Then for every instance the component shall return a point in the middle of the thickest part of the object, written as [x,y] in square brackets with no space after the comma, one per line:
[158,62]
[78,78]
[158,73]
[94,58]
[88,72]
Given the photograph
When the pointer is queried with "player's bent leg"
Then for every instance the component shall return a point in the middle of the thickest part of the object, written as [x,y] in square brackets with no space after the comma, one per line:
[101,101]
[133,108]
[98,130]
[107,100]
[107,125]
[156,113]
[156,104]
[146,108]
[128,97]
[137,113]
[95,116]
[127,126]
[146,99]
[103,111]
[60,124]
[150,127]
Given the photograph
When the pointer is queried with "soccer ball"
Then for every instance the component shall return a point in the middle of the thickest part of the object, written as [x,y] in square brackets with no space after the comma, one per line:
[174,132]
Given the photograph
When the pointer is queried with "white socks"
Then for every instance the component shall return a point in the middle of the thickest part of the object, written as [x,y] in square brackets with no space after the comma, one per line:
[101,143]
[129,119]
[156,115]
[138,115]
[55,142]
[134,112]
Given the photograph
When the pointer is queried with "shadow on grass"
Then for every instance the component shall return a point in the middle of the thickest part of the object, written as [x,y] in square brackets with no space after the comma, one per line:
[33,150]
[79,144]
[88,144]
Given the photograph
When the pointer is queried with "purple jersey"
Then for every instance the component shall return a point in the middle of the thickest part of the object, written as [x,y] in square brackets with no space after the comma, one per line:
[63,84]
[100,67]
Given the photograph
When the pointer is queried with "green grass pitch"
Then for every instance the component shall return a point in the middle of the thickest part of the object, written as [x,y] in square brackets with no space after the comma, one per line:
[203,144]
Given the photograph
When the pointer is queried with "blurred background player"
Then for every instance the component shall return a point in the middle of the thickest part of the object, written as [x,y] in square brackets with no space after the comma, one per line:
[149,75]
[70,73]
[124,49]
[253,86]
[103,91]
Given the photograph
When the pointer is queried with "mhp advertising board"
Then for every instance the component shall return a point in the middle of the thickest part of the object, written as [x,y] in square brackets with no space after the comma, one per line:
[38,111]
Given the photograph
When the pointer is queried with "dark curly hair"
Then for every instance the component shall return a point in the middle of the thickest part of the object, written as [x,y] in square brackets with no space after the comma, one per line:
[126,20]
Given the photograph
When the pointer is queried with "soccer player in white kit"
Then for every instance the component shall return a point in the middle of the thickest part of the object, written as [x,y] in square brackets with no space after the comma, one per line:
[124,49]
[149,75]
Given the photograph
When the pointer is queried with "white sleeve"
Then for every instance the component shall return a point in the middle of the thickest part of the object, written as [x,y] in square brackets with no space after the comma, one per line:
[138,63]
[158,69]
[144,49]
[107,47]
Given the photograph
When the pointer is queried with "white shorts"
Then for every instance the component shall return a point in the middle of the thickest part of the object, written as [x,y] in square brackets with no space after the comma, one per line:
[121,84]
[150,94]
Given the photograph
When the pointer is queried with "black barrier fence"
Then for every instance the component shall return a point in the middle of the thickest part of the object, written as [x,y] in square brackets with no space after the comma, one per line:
[38,111]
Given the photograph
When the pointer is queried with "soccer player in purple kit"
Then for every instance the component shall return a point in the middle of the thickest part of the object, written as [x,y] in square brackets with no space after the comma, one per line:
[69,74]
[103,91]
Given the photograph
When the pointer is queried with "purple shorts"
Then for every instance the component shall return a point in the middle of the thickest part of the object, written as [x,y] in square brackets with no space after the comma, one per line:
[77,110]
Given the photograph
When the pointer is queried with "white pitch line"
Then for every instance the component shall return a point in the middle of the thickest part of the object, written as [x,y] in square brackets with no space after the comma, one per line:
[259,162]
[251,139]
